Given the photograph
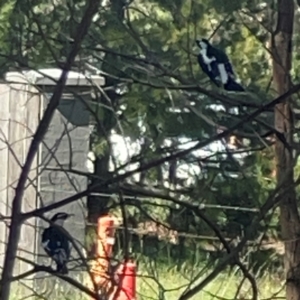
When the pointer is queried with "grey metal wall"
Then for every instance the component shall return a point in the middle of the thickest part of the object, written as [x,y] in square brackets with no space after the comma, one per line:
[19,118]
[65,148]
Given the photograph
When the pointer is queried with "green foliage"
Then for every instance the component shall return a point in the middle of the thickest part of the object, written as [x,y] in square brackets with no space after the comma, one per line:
[159,281]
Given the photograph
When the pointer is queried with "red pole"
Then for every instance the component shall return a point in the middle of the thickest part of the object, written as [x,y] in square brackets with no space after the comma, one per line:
[126,289]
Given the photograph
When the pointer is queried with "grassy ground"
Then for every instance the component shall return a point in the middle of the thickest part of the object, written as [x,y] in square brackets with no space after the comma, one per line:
[171,284]
[162,283]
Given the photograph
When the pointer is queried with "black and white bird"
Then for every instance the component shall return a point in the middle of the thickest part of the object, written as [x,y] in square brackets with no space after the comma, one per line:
[216,65]
[55,242]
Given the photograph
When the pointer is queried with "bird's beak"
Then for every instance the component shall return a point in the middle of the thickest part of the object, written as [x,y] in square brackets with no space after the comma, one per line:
[198,43]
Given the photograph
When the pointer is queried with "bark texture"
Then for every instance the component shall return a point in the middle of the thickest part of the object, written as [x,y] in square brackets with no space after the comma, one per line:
[289,216]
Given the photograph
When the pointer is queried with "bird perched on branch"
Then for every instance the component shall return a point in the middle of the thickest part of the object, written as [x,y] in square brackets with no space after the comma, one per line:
[55,242]
[216,65]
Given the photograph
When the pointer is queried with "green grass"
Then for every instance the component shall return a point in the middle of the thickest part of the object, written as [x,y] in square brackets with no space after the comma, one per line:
[158,282]
[170,284]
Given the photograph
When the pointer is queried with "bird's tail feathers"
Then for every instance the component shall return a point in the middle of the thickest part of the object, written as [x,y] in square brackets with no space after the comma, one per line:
[233,85]
[62,268]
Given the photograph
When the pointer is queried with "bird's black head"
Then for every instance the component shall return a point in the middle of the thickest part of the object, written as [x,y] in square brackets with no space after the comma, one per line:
[60,217]
[203,43]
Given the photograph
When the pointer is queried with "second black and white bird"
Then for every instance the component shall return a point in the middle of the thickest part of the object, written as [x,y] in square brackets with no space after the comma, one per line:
[216,65]
[56,244]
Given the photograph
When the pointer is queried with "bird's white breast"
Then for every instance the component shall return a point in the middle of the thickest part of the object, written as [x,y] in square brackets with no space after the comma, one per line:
[223,73]
[205,58]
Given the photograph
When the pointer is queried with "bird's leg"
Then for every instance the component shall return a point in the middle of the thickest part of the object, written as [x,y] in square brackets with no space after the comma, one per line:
[51,265]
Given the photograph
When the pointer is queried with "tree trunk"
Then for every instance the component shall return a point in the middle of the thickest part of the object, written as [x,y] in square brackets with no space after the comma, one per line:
[97,205]
[289,216]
